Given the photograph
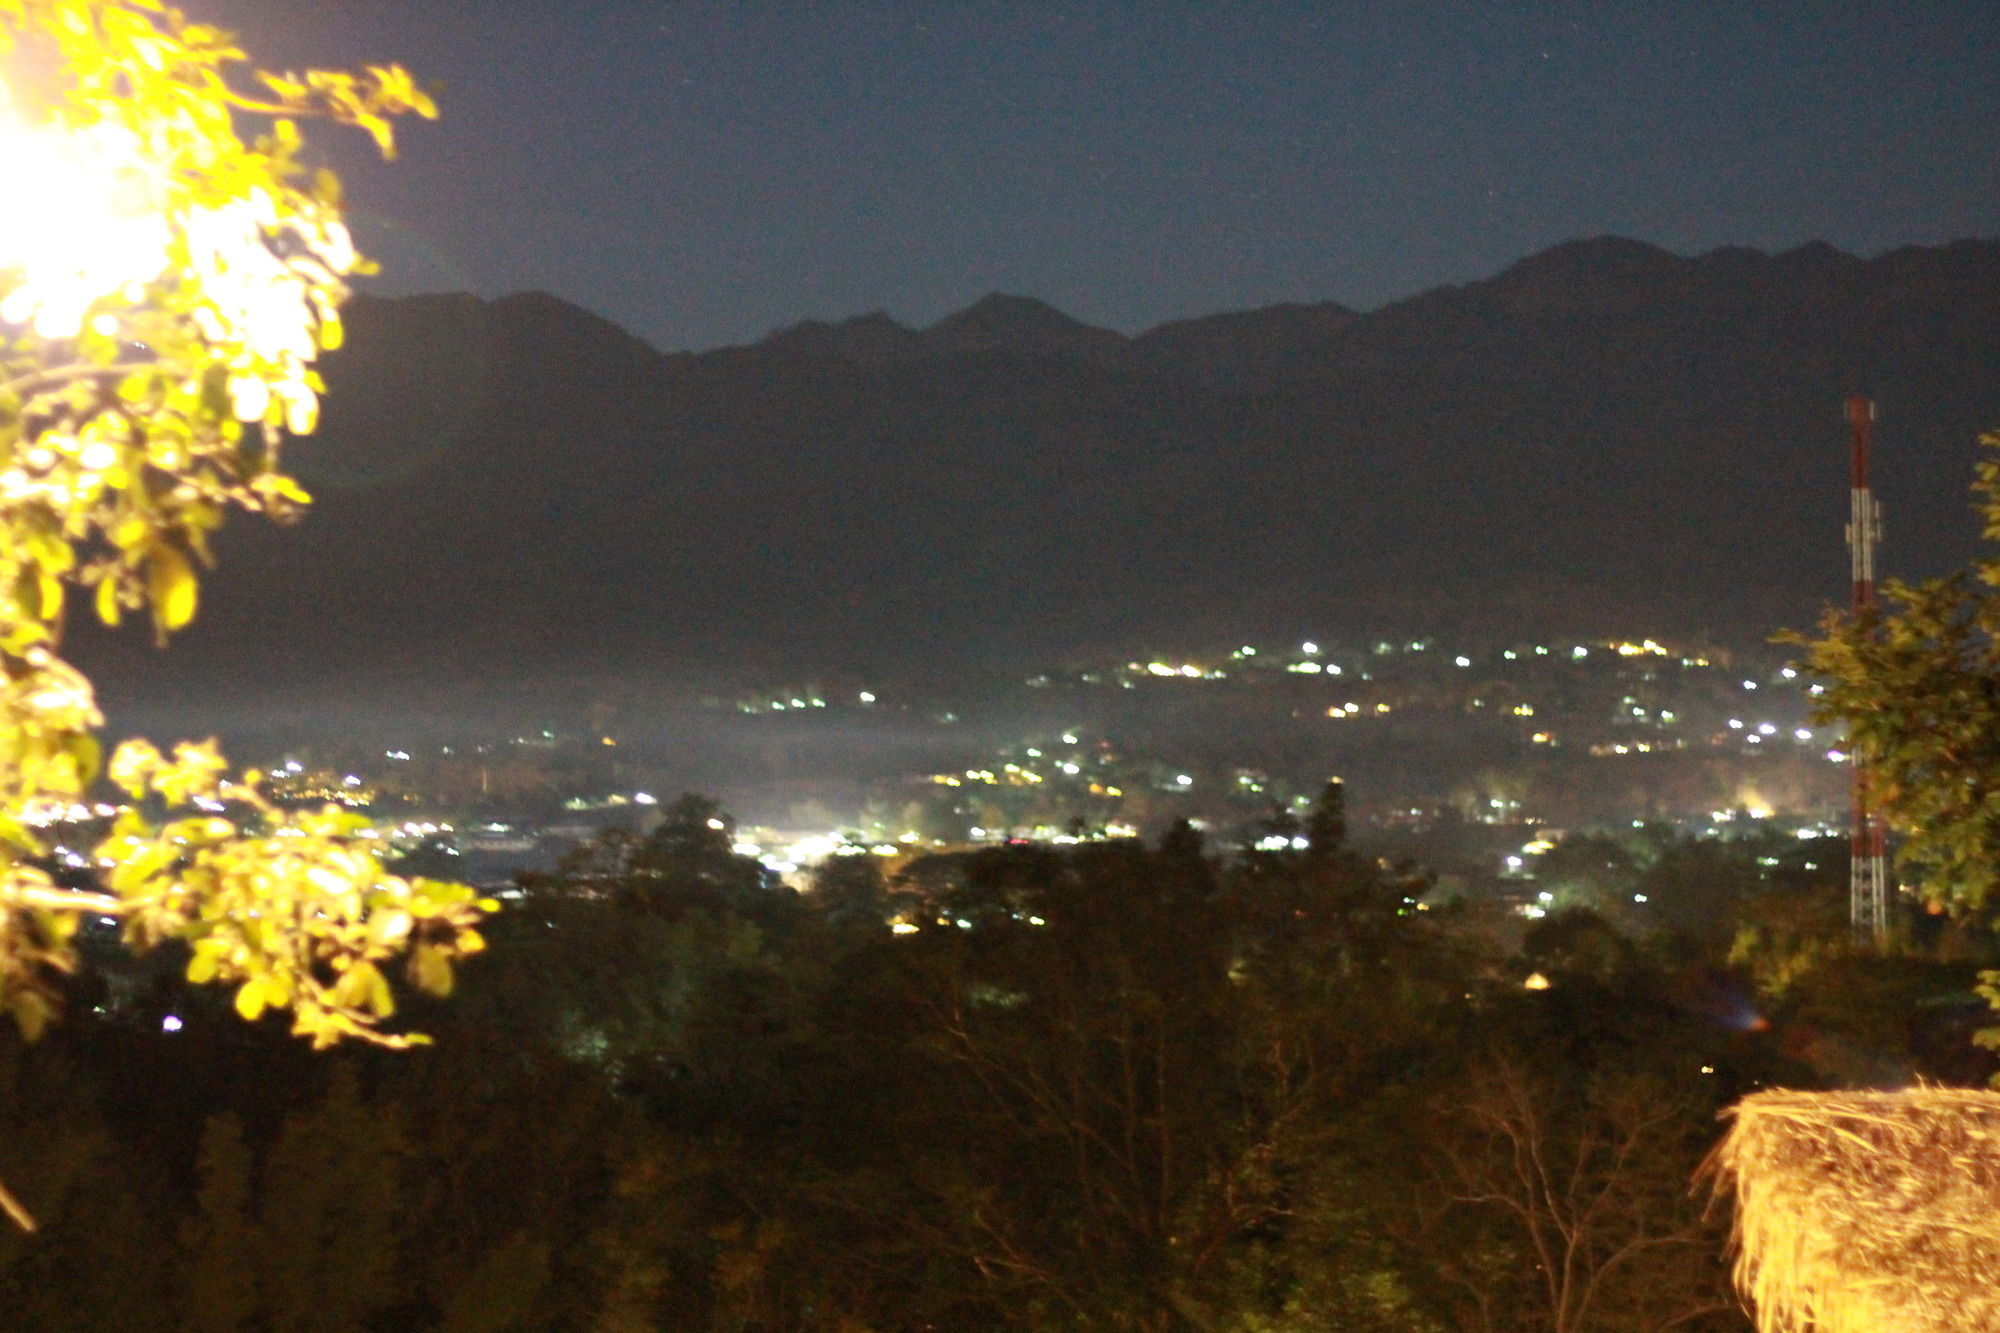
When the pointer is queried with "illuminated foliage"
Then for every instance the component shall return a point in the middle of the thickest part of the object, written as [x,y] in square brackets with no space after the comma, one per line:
[165,286]
[1916,684]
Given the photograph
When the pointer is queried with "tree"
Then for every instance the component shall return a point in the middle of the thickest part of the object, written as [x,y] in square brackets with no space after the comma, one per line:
[1916,684]
[1560,1200]
[164,289]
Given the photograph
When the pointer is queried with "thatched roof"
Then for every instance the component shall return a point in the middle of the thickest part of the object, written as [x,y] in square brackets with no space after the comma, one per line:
[1867,1212]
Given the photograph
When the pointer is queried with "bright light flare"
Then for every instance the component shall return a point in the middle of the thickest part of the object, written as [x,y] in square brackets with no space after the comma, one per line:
[111,212]
[92,226]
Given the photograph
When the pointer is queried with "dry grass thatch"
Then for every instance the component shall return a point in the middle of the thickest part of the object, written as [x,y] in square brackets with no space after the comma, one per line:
[1867,1212]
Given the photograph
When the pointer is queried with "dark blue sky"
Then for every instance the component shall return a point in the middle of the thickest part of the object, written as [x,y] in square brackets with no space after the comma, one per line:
[703,172]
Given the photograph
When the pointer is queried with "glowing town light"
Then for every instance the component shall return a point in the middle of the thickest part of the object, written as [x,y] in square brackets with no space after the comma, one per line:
[1305,668]
[867,696]
[1461,661]
[1535,981]
[1802,734]
[1736,724]
[807,850]
[644,798]
[1184,781]
[1789,674]
[1069,738]
[1309,648]
[1749,684]
[1638,897]
[1579,652]
[1766,729]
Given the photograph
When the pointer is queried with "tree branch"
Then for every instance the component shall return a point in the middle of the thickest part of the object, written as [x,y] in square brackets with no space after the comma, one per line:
[12,1206]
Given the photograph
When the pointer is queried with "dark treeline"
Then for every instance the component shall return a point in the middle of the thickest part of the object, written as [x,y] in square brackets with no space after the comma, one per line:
[1104,1087]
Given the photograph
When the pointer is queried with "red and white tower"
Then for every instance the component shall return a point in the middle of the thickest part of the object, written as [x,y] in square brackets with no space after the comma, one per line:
[1868,874]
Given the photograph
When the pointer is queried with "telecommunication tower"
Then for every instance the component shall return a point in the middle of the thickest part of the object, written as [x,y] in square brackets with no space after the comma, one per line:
[1868,871]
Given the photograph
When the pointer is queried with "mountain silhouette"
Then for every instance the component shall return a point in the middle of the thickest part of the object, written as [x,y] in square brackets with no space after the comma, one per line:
[1604,436]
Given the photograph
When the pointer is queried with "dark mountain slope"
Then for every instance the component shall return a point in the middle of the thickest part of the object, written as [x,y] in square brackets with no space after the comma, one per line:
[1603,436]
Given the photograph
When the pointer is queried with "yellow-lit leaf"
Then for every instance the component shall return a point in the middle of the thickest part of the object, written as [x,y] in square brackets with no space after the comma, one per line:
[87,753]
[170,580]
[250,999]
[356,985]
[380,1000]
[433,970]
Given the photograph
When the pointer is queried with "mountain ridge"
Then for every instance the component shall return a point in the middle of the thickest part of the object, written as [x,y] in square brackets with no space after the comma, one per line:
[519,488]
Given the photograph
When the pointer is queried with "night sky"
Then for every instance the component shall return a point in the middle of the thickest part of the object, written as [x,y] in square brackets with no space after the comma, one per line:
[702,173]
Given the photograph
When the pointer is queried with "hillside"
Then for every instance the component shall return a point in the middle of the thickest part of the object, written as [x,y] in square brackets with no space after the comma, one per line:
[1602,435]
